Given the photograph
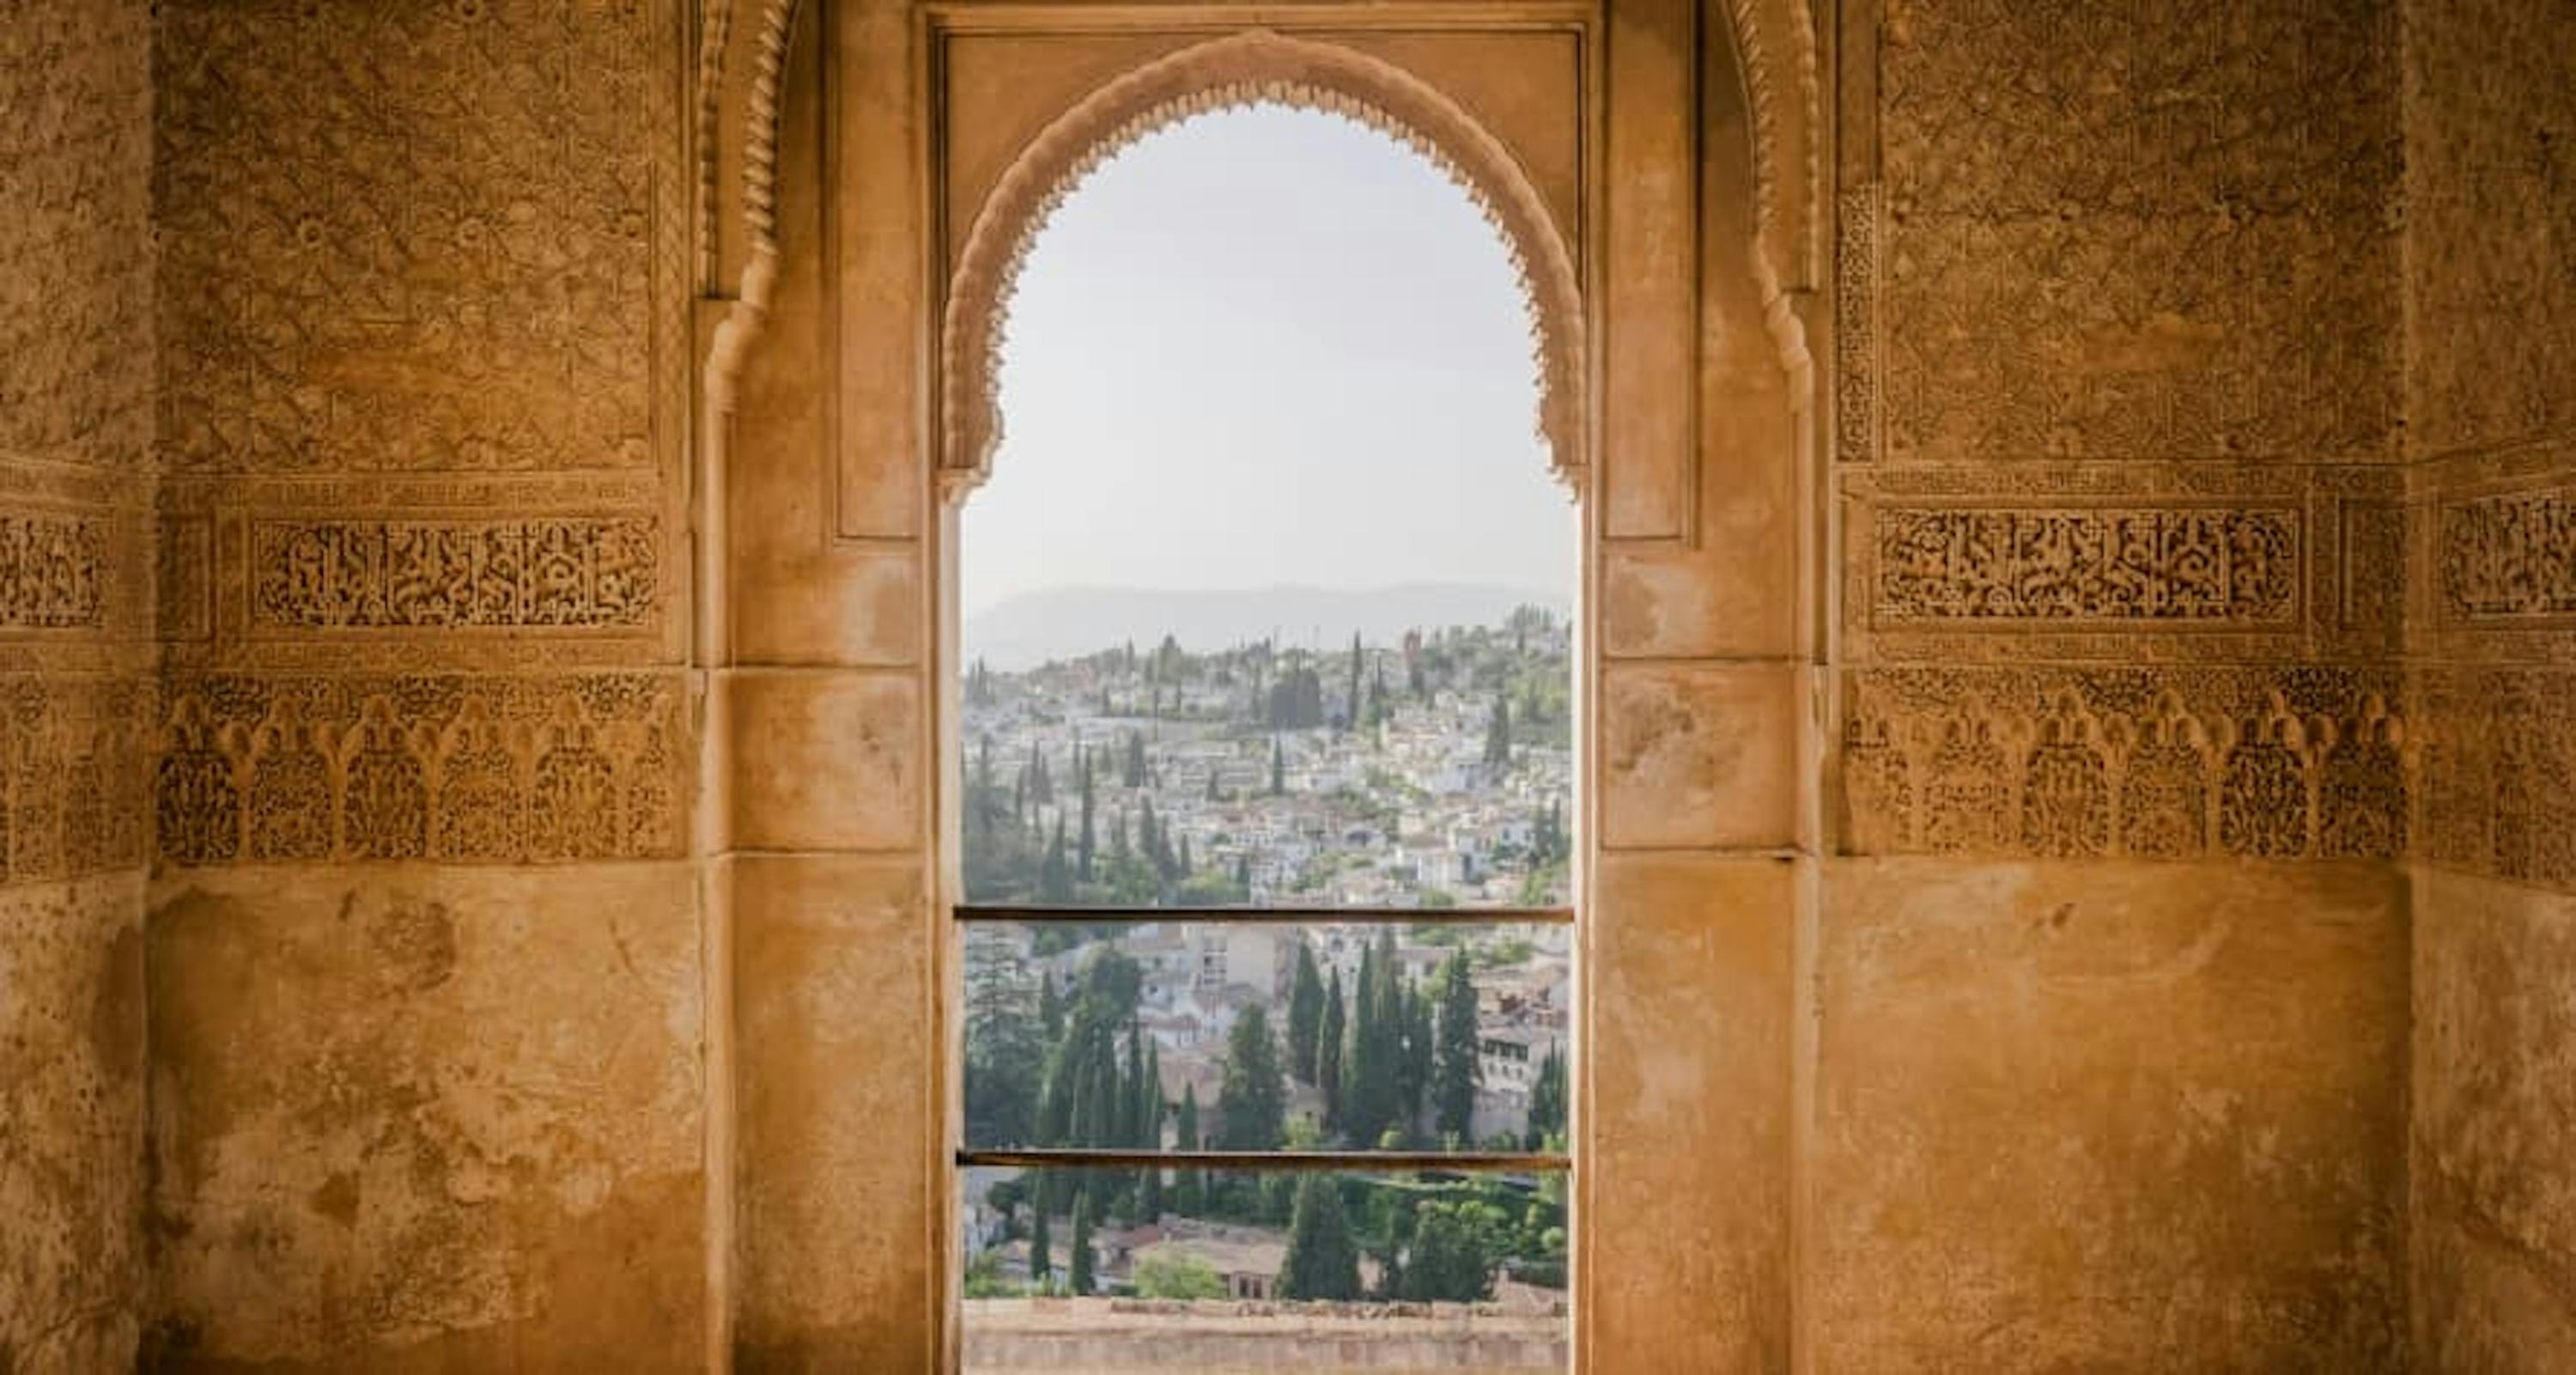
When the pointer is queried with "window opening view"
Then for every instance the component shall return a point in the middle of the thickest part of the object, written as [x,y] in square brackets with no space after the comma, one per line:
[1268,782]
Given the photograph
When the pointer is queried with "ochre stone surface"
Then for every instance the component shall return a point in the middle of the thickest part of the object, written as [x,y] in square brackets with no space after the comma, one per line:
[2110,1117]
[416,1119]
[2494,1178]
[839,1203]
[1688,1122]
[76,606]
[2490,112]
[71,1124]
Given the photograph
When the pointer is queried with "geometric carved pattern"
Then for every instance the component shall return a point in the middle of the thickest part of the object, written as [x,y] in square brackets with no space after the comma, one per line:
[49,572]
[454,574]
[2188,260]
[455,768]
[461,276]
[2509,557]
[2167,565]
[2111,762]
[1856,325]
[72,752]
[2497,768]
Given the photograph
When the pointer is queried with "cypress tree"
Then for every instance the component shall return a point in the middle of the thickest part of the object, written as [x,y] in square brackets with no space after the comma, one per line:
[1305,1015]
[1252,1102]
[1547,1101]
[1083,846]
[1189,1196]
[1081,1262]
[1323,1260]
[1041,1265]
[1278,768]
[1328,1051]
[1454,1070]
[1413,1081]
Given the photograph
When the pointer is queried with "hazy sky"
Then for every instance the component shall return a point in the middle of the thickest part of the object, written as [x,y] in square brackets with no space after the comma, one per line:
[1266,347]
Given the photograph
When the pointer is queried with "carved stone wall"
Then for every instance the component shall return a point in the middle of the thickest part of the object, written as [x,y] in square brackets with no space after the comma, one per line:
[2490,113]
[76,692]
[2121,519]
[425,743]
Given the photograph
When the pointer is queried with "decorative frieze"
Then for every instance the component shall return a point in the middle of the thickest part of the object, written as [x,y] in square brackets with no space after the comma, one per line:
[2131,762]
[2509,557]
[2497,761]
[555,572]
[51,572]
[460,768]
[1856,325]
[2156,565]
[73,755]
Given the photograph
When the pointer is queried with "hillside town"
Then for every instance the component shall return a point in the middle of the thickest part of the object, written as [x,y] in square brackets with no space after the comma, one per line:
[1431,774]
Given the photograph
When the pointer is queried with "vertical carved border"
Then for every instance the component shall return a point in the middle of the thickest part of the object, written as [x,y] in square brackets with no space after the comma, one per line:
[1856,274]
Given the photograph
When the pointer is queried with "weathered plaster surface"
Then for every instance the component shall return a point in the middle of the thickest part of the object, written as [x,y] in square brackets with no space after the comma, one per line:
[76,595]
[839,1199]
[2494,1175]
[71,1124]
[412,1119]
[2110,1117]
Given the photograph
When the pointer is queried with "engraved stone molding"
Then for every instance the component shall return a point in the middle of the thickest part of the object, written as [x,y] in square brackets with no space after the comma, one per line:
[483,268]
[2086,260]
[2167,565]
[2165,562]
[73,754]
[50,572]
[2103,763]
[458,769]
[1775,48]
[1256,66]
[559,573]
[1856,269]
[2509,558]
[2498,772]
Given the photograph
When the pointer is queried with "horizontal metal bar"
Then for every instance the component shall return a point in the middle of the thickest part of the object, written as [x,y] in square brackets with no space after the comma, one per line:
[1040,914]
[1067,1157]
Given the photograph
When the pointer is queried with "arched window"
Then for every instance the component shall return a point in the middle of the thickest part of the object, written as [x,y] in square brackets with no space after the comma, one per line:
[1267,712]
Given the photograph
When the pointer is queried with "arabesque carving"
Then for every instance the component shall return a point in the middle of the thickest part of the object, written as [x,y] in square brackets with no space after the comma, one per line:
[2121,762]
[50,572]
[2156,564]
[480,268]
[1856,269]
[1252,67]
[2509,557]
[468,769]
[73,751]
[2498,771]
[556,572]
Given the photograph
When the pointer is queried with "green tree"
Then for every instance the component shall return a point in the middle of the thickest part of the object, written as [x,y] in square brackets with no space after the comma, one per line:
[1165,1273]
[1454,1070]
[1456,1246]
[1088,840]
[1252,1102]
[1498,735]
[1305,1015]
[1005,1049]
[1041,1264]
[1328,1050]
[1413,1079]
[1278,768]
[1547,1101]
[1055,875]
[1189,1190]
[1081,1261]
[1323,1261]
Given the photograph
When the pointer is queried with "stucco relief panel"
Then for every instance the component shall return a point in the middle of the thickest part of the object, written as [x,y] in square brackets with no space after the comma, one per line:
[2164,763]
[2173,248]
[462,768]
[481,268]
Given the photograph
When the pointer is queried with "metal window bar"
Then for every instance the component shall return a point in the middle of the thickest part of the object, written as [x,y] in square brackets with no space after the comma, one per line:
[1041,914]
[1063,1157]
[1462,1162]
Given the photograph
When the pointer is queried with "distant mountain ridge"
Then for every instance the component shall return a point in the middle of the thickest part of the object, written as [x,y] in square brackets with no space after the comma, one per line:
[1065,622]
